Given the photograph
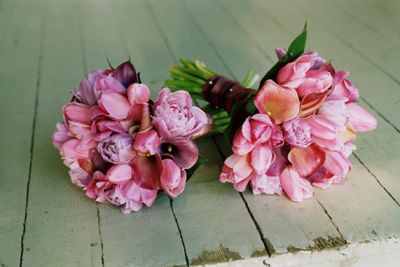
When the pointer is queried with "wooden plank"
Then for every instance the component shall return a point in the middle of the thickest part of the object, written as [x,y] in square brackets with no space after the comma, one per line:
[20,30]
[134,239]
[62,223]
[208,212]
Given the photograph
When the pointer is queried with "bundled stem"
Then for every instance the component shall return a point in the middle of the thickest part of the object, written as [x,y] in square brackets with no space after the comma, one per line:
[192,77]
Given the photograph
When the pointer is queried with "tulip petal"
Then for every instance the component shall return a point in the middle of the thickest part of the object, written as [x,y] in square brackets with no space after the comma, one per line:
[115,104]
[262,158]
[360,119]
[107,83]
[306,160]
[337,164]
[280,103]
[295,187]
[119,173]
[138,93]
[311,102]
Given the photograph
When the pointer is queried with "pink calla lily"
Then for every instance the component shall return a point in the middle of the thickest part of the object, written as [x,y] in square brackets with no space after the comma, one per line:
[280,103]
[180,149]
[146,171]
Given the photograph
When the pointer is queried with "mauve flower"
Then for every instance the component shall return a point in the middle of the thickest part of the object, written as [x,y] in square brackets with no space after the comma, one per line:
[316,81]
[117,148]
[297,133]
[85,93]
[293,74]
[360,119]
[280,103]
[173,178]
[60,136]
[264,184]
[173,114]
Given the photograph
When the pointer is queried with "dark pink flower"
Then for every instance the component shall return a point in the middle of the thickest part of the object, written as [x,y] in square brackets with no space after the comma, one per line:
[294,73]
[60,136]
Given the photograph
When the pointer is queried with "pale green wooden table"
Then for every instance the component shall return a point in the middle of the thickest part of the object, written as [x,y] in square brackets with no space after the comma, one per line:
[47,46]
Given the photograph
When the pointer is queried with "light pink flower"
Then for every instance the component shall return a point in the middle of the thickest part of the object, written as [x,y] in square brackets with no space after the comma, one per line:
[237,168]
[297,133]
[173,178]
[335,109]
[295,187]
[307,160]
[294,73]
[79,176]
[174,115]
[79,148]
[264,184]
[360,119]
[138,93]
[280,103]
[76,118]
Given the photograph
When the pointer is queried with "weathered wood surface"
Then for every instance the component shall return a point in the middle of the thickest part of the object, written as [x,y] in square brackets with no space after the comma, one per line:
[46,47]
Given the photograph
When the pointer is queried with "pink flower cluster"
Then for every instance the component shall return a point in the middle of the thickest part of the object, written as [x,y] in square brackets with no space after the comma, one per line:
[302,135]
[121,149]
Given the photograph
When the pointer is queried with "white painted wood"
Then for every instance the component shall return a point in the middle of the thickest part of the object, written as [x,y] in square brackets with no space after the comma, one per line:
[134,239]
[66,228]
[19,44]
[62,224]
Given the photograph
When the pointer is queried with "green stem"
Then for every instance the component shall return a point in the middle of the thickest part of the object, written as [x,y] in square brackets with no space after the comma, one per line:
[187,76]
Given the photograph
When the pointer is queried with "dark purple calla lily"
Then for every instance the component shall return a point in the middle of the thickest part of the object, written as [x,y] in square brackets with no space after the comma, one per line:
[125,74]
[183,151]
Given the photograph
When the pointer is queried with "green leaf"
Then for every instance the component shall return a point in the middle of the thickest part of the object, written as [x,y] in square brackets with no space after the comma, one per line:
[298,45]
[199,162]
[238,116]
[109,64]
[250,106]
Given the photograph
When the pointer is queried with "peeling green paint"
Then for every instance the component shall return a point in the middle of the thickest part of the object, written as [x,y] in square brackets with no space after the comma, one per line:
[221,255]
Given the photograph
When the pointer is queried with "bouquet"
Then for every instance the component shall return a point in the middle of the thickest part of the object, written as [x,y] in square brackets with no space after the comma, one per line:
[294,132]
[121,147]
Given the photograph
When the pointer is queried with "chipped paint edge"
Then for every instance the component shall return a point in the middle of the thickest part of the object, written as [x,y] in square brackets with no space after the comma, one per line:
[358,254]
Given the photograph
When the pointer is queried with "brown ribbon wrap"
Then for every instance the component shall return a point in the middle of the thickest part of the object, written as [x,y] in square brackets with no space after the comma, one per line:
[224,93]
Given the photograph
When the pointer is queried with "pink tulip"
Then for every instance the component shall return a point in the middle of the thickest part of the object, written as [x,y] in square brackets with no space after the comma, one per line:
[297,133]
[255,130]
[344,88]
[280,162]
[174,115]
[360,119]
[99,188]
[117,148]
[103,127]
[147,142]
[79,149]
[307,160]
[79,176]
[138,93]
[264,184]
[119,174]
[295,187]
[293,74]
[76,118]
[335,110]
[318,61]
[261,158]
[108,83]
[173,178]
[280,103]
[114,105]
[316,81]
[237,168]
[337,164]
[60,136]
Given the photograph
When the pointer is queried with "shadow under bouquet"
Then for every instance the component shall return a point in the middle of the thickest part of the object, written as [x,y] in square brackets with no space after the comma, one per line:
[121,147]
[294,132]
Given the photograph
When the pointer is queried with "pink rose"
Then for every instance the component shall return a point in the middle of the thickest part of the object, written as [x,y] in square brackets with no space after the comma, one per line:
[174,115]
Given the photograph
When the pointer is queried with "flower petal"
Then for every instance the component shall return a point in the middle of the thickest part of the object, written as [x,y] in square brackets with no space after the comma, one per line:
[295,187]
[280,103]
[360,119]
[147,170]
[115,104]
[119,173]
[306,160]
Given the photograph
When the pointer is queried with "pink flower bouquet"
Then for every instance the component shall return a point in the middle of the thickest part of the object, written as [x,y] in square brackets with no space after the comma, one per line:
[294,132]
[121,147]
